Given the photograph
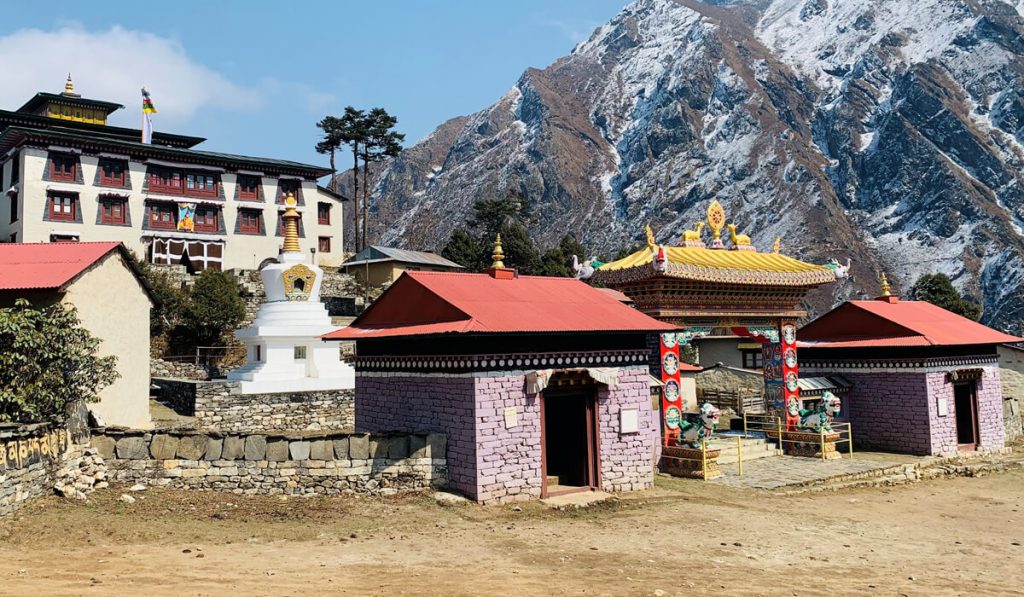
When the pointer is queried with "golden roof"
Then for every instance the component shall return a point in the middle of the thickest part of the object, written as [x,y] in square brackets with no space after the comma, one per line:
[719,265]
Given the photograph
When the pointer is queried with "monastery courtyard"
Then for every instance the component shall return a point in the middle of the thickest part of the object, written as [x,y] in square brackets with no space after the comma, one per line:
[926,538]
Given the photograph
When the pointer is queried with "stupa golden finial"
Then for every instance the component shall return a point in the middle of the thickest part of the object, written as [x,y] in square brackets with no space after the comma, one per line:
[498,256]
[886,291]
[69,86]
[291,225]
[777,246]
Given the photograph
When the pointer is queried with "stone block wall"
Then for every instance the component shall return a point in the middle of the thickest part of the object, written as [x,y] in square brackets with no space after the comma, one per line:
[1011,375]
[36,458]
[889,411]
[992,434]
[177,369]
[219,405]
[508,459]
[627,460]
[424,403]
[725,379]
[253,464]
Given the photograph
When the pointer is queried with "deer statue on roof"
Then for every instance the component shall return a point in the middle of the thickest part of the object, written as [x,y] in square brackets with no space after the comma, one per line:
[738,240]
[693,236]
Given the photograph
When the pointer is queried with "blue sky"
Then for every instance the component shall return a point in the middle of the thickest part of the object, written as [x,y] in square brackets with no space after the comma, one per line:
[254,77]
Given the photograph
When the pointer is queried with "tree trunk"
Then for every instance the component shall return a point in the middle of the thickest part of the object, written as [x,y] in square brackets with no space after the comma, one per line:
[366,199]
[355,198]
[334,175]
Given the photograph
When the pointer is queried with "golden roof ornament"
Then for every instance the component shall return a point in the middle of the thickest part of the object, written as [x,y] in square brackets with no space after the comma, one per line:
[777,245]
[650,237]
[716,218]
[291,225]
[69,87]
[498,256]
[886,291]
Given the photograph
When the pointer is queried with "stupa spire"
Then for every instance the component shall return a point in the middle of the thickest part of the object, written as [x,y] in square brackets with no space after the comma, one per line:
[291,225]
[498,256]
[69,87]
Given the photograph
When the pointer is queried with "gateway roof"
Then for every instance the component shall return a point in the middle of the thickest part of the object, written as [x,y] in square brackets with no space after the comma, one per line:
[377,254]
[890,322]
[427,303]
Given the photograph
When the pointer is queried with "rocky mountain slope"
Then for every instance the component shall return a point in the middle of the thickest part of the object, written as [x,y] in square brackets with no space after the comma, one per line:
[886,131]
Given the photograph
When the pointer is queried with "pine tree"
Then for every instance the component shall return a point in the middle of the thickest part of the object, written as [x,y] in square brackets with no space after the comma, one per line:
[520,252]
[938,290]
[379,144]
[464,249]
[333,130]
[353,133]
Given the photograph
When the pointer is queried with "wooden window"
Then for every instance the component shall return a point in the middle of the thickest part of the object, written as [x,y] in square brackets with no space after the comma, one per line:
[197,183]
[248,188]
[14,207]
[62,167]
[289,186]
[63,207]
[162,180]
[14,237]
[323,213]
[15,169]
[249,221]
[113,210]
[325,244]
[162,216]
[207,219]
[63,238]
[112,173]
[300,353]
[752,359]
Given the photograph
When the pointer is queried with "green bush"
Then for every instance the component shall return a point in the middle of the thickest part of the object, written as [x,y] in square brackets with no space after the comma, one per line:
[214,308]
[47,360]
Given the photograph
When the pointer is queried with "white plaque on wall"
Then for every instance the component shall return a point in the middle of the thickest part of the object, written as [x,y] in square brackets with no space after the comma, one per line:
[943,405]
[511,417]
[629,421]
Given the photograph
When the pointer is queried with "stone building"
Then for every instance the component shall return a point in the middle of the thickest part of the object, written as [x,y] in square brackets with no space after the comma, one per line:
[112,303]
[541,384]
[68,175]
[921,380]
[1011,371]
[378,265]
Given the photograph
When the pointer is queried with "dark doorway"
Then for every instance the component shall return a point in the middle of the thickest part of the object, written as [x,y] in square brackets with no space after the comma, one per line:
[570,440]
[965,398]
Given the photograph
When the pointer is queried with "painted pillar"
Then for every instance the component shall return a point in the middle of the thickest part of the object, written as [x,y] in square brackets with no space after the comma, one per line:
[671,397]
[782,375]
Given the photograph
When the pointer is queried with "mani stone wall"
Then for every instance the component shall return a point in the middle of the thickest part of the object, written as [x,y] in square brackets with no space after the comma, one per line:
[729,379]
[254,464]
[1011,374]
[219,405]
[36,460]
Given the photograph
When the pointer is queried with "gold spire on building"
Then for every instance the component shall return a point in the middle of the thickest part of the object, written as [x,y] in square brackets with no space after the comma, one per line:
[886,291]
[498,256]
[69,87]
[291,225]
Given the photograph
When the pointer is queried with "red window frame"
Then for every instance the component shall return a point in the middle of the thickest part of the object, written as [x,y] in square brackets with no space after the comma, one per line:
[165,181]
[62,207]
[113,210]
[323,214]
[157,219]
[324,244]
[201,184]
[207,219]
[249,221]
[248,187]
[63,167]
[289,186]
[113,173]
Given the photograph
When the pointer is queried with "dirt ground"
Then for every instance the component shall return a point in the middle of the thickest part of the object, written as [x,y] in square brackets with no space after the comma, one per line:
[943,537]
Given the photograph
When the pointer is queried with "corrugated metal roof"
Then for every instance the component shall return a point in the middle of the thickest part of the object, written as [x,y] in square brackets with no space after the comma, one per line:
[817,385]
[47,266]
[891,322]
[423,303]
[377,254]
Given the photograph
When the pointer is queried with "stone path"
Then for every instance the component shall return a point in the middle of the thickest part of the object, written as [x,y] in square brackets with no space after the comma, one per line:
[787,471]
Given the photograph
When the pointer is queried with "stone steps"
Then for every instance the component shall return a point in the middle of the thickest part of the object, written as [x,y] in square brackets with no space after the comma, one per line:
[752,449]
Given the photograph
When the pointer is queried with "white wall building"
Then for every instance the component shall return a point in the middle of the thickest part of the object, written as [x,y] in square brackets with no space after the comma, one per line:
[68,176]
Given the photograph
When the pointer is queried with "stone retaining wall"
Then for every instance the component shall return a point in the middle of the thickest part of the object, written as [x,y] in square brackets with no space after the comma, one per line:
[37,459]
[219,405]
[728,379]
[379,464]
[177,369]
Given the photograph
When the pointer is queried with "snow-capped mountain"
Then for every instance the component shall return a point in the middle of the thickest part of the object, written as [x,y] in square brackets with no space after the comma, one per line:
[886,131]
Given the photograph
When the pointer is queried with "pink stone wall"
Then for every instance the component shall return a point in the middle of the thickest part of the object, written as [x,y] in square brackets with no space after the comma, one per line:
[888,411]
[508,459]
[627,460]
[991,432]
[423,403]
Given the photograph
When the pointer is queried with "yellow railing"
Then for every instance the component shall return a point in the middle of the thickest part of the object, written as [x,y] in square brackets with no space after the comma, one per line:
[772,428]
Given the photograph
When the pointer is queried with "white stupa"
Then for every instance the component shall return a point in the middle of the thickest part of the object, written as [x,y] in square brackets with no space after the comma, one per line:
[283,345]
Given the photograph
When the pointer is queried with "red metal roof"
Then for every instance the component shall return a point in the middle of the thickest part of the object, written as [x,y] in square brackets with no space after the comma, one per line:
[47,266]
[422,303]
[893,323]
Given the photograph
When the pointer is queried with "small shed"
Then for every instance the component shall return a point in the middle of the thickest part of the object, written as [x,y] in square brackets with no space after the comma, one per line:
[918,378]
[377,265]
[101,282]
[541,384]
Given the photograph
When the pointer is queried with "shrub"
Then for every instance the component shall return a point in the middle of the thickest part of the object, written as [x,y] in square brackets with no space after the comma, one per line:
[213,309]
[47,360]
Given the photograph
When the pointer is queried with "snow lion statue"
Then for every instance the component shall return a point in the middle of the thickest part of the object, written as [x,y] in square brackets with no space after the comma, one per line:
[821,418]
[691,433]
